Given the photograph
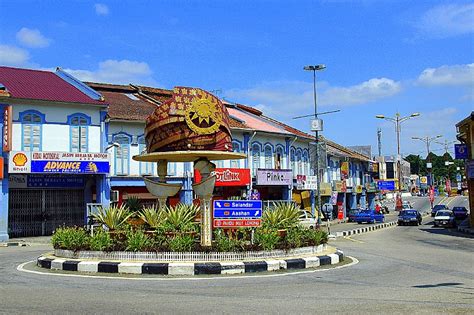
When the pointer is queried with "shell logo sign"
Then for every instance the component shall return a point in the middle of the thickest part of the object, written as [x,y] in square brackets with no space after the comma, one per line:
[20,159]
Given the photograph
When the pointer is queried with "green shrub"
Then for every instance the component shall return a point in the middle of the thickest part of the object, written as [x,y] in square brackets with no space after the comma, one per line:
[72,238]
[180,218]
[133,204]
[294,237]
[314,237]
[114,217]
[181,243]
[266,238]
[281,215]
[224,244]
[138,241]
[100,241]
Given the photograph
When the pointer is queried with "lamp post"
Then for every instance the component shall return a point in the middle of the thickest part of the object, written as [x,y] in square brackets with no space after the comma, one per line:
[398,121]
[316,126]
[427,140]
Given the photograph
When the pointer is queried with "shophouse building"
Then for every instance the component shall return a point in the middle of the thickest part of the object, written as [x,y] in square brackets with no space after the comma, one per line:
[53,151]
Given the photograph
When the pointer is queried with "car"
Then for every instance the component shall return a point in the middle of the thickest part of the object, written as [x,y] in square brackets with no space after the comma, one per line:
[307,219]
[369,216]
[409,217]
[406,205]
[437,208]
[351,214]
[444,218]
[460,213]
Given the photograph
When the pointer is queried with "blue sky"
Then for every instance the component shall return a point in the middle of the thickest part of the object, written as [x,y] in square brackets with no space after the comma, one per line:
[382,56]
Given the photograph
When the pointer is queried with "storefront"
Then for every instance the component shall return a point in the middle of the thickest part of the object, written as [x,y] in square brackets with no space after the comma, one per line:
[274,184]
[51,189]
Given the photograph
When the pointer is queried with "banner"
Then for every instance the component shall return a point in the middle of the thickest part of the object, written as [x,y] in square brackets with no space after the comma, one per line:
[460,151]
[7,129]
[345,170]
[58,162]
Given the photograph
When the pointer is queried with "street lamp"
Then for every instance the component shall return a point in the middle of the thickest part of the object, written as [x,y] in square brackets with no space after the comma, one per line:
[398,120]
[427,140]
[316,126]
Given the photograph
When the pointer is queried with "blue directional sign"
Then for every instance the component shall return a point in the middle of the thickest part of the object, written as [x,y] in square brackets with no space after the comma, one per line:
[460,151]
[386,185]
[237,209]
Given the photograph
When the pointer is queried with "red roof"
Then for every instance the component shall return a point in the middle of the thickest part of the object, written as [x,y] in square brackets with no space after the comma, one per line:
[41,85]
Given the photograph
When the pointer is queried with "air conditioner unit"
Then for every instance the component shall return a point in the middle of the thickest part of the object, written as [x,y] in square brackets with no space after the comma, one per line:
[114,196]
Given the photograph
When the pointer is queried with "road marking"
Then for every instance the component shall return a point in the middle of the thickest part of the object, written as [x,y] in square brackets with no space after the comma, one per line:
[449,202]
[351,239]
[21,268]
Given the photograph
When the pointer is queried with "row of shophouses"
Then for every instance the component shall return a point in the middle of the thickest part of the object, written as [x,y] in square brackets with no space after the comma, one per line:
[68,144]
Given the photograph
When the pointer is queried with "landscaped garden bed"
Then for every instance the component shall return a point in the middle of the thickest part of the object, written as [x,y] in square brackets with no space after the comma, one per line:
[172,230]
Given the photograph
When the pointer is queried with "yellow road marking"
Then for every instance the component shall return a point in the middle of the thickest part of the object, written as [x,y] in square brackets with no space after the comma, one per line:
[454,198]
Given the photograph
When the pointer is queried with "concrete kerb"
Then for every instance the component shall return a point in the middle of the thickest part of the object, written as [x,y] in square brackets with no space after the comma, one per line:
[369,228]
[191,268]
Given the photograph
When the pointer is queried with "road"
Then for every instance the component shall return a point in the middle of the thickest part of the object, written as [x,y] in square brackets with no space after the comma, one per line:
[404,269]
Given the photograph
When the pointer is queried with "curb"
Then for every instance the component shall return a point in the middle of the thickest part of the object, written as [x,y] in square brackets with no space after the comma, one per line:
[368,229]
[190,269]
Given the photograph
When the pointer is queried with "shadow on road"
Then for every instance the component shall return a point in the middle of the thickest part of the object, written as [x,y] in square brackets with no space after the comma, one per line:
[446,284]
[443,231]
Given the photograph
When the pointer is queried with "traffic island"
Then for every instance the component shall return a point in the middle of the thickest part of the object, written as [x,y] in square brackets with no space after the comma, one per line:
[192,264]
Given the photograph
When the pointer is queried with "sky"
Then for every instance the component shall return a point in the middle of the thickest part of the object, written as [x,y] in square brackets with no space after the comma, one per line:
[381,56]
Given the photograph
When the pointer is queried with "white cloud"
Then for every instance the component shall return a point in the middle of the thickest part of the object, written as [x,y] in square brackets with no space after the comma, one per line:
[13,56]
[32,38]
[365,92]
[447,20]
[117,71]
[101,9]
[448,75]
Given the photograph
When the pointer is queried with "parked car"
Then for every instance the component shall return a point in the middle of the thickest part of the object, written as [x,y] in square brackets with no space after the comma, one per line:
[460,213]
[409,217]
[406,205]
[307,219]
[444,218]
[437,208]
[351,214]
[369,216]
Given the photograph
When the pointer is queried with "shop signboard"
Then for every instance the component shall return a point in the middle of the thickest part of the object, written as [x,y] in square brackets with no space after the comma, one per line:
[228,176]
[1,167]
[386,185]
[304,182]
[7,129]
[358,189]
[58,162]
[460,151]
[325,189]
[340,186]
[470,169]
[371,187]
[271,177]
[423,182]
[44,181]
[333,199]
[345,170]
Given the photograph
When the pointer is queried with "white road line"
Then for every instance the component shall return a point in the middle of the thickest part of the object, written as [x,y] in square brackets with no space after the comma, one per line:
[22,269]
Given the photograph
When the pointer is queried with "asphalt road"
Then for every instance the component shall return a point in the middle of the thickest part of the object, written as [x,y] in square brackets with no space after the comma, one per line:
[404,269]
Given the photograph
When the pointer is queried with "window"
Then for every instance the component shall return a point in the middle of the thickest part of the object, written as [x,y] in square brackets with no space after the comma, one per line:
[146,168]
[78,133]
[299,163]
[305,163]
[255,158]
[172,168]
[292,160]
[122,154]
[268,157]
[31,127]
[279,158]
[235,148]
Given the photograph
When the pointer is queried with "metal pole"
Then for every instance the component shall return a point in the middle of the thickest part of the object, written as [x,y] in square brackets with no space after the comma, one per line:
[398,154]
[317,151]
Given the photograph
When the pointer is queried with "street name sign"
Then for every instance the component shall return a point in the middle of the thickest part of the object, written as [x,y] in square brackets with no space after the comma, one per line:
[237,213]
[386,185]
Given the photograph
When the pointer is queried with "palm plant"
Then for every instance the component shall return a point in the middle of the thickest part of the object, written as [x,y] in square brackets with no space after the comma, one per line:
[114,217]
[281,215]
[133,204]
[153,216]
[180,218]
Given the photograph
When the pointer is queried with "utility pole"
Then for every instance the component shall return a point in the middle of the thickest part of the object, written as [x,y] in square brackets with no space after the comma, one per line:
[427,140]
[379,140]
